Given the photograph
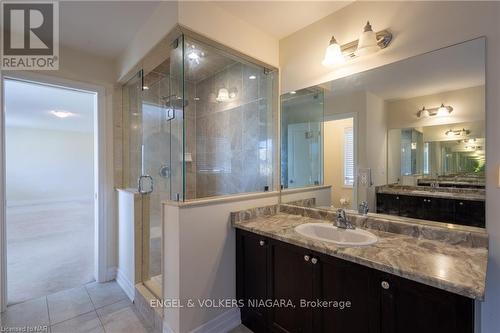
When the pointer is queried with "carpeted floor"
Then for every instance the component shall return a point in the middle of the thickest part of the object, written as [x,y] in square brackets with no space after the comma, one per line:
[50,248]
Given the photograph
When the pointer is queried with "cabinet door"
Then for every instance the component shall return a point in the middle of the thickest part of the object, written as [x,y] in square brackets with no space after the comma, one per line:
[437,209]
[410,206]
[387,204]
[470,213]
[291,279]
[252,277]
[411,307]
[342,281]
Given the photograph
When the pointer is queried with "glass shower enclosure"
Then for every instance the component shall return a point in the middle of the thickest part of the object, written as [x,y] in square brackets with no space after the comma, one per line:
[200,124]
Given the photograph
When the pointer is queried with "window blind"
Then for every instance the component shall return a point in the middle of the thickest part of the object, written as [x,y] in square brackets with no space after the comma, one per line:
[348,157]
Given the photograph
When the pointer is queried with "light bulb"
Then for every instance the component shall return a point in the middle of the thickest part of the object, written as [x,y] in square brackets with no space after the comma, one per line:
[333,54]
[222,95]
[443,110]
[424,113]
[367,43]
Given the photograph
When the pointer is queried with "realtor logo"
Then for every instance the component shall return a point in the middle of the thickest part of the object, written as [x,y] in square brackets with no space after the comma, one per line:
[30,36]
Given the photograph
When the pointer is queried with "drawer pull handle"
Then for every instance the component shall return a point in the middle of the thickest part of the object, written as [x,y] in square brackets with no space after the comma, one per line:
[307,258]
[262,243]
[385,285]
[314,261]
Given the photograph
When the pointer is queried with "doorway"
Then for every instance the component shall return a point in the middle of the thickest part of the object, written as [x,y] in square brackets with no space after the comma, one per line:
[339,155]
[50,187]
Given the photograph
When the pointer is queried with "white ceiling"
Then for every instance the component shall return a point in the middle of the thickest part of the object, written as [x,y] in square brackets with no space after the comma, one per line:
[281,18]
[28,105]
[447,69]
[103,28]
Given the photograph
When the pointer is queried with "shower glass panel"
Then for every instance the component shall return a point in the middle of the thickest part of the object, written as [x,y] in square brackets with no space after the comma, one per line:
[153,113]
[229,124]
[301,138]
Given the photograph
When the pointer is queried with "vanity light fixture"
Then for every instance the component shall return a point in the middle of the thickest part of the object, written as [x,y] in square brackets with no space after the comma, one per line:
[369,42]
[443,110]
[224,95]
[460,132]
[62,114]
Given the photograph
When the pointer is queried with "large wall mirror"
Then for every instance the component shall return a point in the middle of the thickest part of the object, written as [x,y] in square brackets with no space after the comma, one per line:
[407,138]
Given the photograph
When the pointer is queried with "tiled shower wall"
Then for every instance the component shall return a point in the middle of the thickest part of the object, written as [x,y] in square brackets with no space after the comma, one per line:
[233,138]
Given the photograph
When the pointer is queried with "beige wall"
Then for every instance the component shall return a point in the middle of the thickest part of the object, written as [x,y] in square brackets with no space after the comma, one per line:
[468,105]
[205,18]
[333,150]
[302,52]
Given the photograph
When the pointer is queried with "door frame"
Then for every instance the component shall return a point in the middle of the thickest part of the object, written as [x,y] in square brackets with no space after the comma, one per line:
[103,171]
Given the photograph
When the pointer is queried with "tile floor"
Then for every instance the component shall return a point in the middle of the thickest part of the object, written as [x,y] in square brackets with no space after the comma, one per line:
[93,308]
[62,234]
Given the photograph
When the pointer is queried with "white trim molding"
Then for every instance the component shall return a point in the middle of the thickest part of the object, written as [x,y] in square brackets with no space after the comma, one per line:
[222,323]
[126,284]
[103,180]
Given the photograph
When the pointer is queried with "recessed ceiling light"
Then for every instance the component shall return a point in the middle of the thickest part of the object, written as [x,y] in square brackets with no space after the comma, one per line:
[62,114]
[293,92]
[252,77]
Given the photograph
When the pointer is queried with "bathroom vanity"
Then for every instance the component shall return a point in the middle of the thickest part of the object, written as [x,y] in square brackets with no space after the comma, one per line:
[458,206]
[402,283]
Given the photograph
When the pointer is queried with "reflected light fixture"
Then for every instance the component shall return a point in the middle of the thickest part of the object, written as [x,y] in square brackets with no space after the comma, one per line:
[62,114]
[222,95]
[293,92]
[459,132]
[443,110]
[194,55]
[145,88]
[252,77]
[369,42]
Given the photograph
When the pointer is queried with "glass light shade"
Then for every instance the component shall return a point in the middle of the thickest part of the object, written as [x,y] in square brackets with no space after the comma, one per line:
[443,110]
[424,113]
[222,95]
[367,43]
[333,54]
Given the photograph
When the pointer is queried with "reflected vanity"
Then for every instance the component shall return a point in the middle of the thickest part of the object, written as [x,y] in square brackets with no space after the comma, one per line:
[407,139]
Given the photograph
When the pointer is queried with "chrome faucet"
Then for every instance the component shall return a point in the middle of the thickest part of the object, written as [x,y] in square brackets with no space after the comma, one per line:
[342,222]
[363,208]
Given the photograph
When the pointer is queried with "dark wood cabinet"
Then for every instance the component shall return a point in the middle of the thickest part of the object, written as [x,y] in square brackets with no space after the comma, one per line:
[343,281]
[274,271]
[291,279]
[464,212]
[470,213]
[252,276]
[412,307]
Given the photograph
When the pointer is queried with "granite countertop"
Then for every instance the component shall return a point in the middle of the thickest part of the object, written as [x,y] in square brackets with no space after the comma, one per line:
[455,268]
[447,193]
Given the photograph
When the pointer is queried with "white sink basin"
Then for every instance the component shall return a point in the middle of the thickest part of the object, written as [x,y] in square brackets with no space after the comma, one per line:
[328,233]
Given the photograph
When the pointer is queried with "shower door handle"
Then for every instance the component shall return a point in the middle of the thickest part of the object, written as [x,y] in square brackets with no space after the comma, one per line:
[141,187]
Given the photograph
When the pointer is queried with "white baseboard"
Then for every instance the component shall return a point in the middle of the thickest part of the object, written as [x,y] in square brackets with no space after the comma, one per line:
[220,324]
[111,274]
[126,284]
